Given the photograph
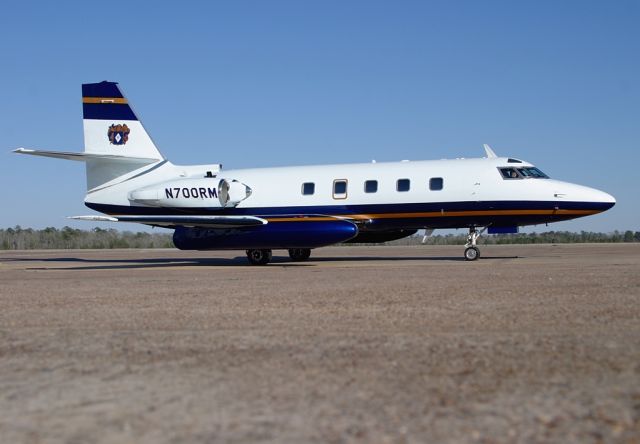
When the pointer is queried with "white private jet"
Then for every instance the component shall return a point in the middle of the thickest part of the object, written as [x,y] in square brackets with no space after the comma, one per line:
[301,208]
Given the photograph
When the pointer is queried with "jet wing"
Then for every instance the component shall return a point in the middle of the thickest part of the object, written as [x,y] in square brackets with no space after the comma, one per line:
[183,221]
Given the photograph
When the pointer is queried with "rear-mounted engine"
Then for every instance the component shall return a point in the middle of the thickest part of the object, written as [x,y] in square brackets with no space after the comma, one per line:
[192,193]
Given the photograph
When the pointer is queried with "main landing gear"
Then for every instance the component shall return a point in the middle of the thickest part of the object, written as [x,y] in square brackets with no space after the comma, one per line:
[471,252]
[299,254]
[263,257]
[259,257]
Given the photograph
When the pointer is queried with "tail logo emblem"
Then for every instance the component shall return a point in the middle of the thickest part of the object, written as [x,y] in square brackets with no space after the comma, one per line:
[118,134]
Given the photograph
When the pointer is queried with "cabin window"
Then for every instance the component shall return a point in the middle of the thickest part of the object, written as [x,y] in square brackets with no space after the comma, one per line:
[340,189]
[371,186]
[403,185]
[436,183]
[308,188]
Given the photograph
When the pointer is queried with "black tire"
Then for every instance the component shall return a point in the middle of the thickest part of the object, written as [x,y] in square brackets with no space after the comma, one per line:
[471,254]
[299,254]
[259,257]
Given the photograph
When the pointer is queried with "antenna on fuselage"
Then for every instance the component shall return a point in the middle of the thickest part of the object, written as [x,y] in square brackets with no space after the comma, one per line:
[489,151]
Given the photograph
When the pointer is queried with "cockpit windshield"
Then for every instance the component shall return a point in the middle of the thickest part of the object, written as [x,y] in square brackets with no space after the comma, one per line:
[532,172]
[522,173]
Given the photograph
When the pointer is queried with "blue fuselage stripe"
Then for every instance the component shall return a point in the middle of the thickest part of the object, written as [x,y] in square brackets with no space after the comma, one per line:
[385,212]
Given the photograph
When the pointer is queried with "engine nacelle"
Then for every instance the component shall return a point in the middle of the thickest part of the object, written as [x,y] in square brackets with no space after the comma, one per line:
[192,193]
[231,192]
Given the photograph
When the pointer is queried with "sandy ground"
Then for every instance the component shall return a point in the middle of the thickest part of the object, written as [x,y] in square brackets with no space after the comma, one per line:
[360,344]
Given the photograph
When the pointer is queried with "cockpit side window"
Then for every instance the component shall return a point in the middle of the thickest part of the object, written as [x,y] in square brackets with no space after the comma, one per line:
[509,173]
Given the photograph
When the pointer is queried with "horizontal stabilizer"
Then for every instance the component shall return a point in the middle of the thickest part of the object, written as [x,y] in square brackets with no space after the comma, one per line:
[181,221]
[83,157]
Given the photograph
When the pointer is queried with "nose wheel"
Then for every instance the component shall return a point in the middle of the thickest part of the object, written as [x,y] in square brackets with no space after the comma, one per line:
[472,252]
[259,257]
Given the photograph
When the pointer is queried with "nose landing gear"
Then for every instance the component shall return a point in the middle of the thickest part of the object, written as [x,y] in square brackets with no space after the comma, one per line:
[471,252]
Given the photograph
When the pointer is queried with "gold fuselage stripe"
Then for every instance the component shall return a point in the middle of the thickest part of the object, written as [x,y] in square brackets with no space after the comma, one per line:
[105,100]
[337,217]
[435,214]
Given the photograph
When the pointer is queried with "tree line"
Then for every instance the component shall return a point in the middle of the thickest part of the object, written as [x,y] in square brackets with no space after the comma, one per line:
[548,237]
[18,238]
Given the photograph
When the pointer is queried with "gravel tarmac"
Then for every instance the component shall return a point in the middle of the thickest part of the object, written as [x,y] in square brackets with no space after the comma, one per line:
[359,344]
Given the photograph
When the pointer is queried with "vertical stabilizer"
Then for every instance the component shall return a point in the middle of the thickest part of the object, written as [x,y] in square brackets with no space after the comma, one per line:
[112,128]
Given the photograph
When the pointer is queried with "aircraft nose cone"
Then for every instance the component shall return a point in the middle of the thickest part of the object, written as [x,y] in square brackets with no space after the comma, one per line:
[602,198]
[599,199]
[607,199]
[588,198]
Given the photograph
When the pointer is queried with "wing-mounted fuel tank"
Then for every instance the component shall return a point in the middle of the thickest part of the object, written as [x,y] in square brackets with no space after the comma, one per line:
[192,193]
[297,233]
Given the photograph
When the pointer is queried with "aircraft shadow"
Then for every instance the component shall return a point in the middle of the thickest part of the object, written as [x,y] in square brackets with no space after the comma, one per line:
[240,261]
[117,264]
[402,258]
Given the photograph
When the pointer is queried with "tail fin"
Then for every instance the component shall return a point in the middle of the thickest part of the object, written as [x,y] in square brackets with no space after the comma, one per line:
[111,126]
[116,144]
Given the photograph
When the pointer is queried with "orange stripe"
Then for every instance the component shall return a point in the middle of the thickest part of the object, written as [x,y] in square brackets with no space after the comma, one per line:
[472,213]
[107,100]
[437,214]
[303,219]
[417,215]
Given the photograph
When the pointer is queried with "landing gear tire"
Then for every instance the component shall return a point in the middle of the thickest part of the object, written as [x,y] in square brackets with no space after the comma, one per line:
[259,257]
[471,254]
[299,254]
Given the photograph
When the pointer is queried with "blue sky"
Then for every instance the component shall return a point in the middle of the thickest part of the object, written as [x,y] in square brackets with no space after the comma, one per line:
[268,83]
